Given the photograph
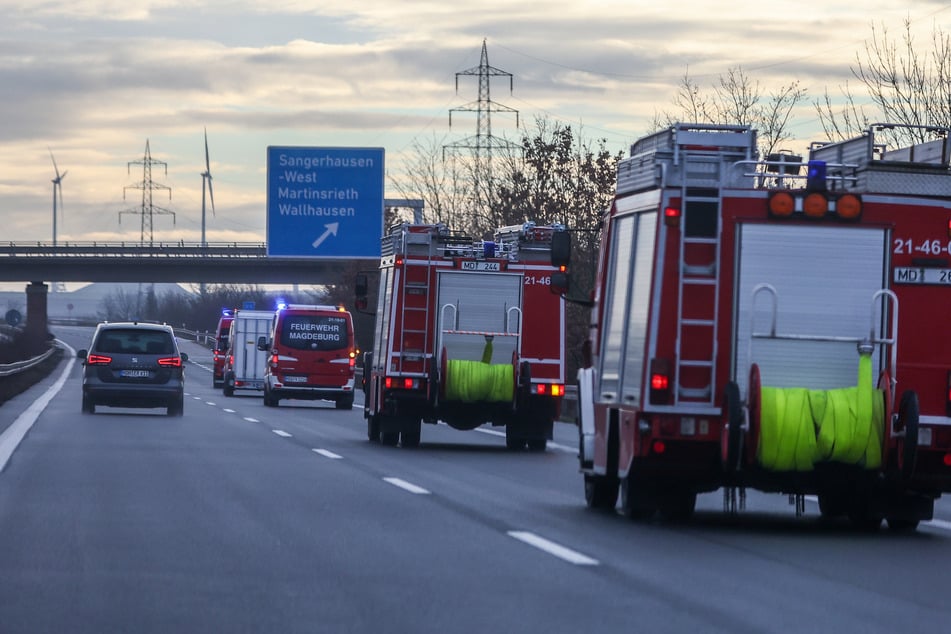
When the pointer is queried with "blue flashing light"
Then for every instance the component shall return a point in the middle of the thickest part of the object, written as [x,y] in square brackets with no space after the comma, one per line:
[281,304]
[227,312]
[488,249]
[816,176]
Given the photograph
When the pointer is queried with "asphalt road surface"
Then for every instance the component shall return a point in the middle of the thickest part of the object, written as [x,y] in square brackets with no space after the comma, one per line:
[241,518]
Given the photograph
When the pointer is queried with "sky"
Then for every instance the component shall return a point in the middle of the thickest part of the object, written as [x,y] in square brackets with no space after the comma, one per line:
[88,83]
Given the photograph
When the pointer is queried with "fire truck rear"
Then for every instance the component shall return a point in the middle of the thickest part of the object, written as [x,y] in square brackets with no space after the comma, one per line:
[467,332]
[772,324]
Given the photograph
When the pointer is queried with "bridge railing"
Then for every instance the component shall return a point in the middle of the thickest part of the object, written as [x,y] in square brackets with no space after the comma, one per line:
[135,249]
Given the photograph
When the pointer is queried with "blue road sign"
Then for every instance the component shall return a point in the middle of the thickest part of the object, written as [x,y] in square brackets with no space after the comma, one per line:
[324,202]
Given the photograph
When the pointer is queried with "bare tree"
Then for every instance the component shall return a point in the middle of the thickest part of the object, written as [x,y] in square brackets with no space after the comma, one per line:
[905,85]
[737,99]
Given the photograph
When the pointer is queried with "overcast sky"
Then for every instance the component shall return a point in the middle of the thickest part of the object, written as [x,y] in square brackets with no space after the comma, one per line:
[92,80]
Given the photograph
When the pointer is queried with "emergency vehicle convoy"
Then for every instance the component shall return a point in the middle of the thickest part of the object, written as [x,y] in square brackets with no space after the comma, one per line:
[311,355]
[777,325]
[467,332]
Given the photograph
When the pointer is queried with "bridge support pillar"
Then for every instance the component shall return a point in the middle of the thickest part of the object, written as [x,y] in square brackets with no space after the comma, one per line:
[36,312]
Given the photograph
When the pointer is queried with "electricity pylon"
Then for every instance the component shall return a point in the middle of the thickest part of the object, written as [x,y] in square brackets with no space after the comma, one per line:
[147,210]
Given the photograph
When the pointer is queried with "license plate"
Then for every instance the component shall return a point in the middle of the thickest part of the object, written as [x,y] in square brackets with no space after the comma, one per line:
[135,374]
[295,379]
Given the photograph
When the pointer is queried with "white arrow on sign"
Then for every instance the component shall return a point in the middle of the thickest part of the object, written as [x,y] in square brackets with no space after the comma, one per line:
[331,230]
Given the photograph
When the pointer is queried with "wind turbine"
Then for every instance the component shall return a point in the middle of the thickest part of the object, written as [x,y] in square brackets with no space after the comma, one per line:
[206,179]
[57,193]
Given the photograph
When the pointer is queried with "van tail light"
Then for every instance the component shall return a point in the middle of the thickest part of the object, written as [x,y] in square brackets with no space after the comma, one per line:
[170,362]
[98,359]
[353,359]
[660,381]
[274,361]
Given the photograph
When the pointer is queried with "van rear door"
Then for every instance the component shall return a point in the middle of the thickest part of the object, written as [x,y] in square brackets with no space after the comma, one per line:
[314,349]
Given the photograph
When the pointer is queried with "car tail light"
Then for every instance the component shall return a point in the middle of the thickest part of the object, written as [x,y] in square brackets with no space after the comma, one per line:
[98,359]
[170,362]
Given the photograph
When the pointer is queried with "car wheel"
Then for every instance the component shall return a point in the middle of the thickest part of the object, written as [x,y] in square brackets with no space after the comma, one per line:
[88,406]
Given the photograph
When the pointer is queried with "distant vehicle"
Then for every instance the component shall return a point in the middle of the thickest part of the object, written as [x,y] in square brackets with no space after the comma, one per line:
[244,366]
[311,355]
[131,364]
[221,348]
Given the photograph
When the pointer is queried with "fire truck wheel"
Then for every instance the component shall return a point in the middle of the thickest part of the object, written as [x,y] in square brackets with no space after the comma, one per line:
[389,438]
[897,525]
[676,506]
[409,438]
[636,504]
[513,440]
[734,421]
[863,518]
[373,428]
[600,492]
[908,444]
[832,504]
[537,444]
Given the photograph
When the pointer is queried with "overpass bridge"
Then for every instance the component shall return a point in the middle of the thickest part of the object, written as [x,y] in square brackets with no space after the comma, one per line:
[209,263]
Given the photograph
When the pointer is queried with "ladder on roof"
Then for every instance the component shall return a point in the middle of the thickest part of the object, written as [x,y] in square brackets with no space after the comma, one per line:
[698,288]
[415,305]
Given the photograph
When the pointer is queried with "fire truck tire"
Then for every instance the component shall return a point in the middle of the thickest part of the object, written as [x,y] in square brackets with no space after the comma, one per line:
[373,428]
[863,518]
[734,437]
[908,444]
[636,504]
[600,492]
[513,439]
[832,504]
[409,438]
[676,506]
[897,525]
[537,444]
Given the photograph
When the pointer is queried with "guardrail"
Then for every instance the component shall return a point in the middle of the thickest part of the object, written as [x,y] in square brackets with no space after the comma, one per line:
[9,369]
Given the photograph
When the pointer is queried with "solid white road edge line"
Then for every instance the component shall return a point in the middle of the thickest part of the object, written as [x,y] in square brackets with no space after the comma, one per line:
[281,433]
[406,486]
[327,454]
[550,547]
[551,445]
[11,437]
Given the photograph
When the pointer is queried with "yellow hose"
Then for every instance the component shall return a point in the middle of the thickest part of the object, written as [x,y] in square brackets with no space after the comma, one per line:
[800,427]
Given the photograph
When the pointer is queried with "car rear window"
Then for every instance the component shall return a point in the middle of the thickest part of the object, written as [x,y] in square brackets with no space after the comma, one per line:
[134,341]
[314,332]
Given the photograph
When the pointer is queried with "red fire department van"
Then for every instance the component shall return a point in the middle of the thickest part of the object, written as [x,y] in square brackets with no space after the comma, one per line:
[467,332]
[772,324]
[220,350]
[312,355]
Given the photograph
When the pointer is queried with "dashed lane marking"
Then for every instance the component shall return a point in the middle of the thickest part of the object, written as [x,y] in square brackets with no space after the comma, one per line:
[327,454]
[550,547]
[281,433]
[406,486]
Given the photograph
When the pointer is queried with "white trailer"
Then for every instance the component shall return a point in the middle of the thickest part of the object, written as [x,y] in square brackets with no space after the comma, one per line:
[246,364]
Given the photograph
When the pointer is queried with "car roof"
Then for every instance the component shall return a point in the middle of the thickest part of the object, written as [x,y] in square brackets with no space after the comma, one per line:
[134,324]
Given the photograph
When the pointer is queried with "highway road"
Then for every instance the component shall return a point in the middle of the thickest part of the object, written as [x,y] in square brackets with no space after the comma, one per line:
[241,518]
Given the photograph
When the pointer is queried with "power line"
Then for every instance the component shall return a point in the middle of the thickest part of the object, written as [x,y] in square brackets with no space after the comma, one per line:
[147,185]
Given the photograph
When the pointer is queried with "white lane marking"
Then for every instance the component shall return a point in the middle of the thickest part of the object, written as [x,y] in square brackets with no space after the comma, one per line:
[327,454]
[406,486]
[251,420]
[550,547]
[551,445]
[281,433]
[230,411]
[209,403]
[197,398]
[12,435]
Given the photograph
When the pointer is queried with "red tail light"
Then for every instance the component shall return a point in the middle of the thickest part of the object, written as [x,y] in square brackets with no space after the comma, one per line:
[98,359]
[274,361]
[170,362]
[660,381]
[388,383]
[353,359]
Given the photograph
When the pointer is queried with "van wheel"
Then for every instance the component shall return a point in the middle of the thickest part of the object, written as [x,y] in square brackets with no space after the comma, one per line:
[269,399]
[344,402]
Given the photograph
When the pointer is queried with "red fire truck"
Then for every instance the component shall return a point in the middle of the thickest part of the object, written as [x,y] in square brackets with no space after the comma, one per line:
[467,332]
[772,324]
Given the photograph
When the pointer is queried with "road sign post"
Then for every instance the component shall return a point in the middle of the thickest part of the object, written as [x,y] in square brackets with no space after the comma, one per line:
[324,202]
